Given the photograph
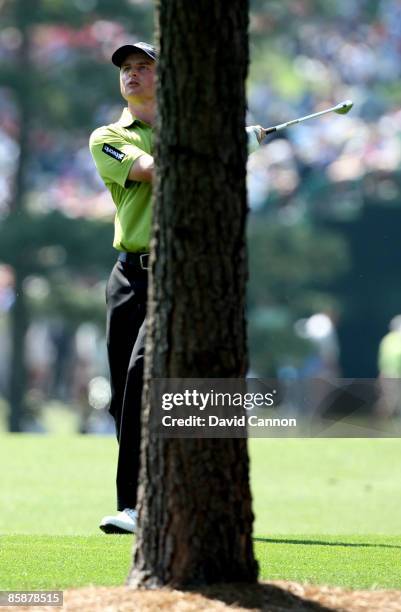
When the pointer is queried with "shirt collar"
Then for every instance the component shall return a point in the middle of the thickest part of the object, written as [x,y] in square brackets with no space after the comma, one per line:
[127,118]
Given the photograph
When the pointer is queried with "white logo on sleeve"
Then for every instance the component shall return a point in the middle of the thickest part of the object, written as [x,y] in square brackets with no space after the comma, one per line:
[113,152]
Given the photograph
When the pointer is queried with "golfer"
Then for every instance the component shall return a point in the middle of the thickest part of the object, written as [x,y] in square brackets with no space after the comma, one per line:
[122,153]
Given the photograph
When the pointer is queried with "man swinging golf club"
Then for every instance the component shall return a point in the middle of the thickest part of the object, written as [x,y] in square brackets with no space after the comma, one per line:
[122,153]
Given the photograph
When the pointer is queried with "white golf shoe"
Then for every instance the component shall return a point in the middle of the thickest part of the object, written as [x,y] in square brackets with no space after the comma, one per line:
[122,522]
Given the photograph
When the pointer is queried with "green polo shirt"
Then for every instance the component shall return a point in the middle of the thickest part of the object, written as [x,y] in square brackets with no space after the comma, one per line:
[114,149]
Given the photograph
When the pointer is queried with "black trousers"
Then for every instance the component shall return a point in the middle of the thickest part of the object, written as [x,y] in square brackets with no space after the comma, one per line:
[126,309]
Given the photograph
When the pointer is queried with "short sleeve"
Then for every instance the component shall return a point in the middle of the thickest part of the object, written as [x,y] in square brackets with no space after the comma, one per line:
[113,155]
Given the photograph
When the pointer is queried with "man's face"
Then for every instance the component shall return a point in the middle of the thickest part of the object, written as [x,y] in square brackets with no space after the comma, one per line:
[137,77]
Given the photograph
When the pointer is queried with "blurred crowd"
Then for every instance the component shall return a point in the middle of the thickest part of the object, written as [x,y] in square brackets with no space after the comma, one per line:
[331,60]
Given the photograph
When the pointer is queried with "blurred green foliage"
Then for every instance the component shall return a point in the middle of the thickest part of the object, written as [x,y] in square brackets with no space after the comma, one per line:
[69,254]
[290,266]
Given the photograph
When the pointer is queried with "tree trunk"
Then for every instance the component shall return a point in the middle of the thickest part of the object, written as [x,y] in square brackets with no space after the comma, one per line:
[19,311]
[194,501]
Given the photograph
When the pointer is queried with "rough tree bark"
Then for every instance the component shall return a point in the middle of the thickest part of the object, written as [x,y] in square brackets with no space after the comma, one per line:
[195,503]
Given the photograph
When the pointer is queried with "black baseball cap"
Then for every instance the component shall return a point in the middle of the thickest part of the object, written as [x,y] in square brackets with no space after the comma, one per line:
[121,53]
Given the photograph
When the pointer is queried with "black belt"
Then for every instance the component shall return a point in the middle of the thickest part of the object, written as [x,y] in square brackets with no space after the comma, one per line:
[137,260]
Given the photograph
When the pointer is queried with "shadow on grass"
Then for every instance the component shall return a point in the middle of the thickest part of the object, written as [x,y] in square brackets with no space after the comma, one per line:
[264,597]
[322,543]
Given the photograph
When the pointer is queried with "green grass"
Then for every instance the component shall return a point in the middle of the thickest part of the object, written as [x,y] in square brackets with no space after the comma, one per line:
[330,486]
[327,511]
[56,485]
[59,562]
[358,562]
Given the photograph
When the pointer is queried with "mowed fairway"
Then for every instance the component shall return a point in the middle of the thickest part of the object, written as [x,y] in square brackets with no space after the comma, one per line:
[327,511]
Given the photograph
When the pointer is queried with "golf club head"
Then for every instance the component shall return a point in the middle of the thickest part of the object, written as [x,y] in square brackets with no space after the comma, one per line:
[344,107]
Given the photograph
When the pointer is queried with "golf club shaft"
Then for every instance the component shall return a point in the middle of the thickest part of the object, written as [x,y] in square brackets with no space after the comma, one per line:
[282,126]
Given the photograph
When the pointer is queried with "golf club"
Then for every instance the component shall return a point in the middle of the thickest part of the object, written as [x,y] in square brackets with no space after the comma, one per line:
[341,109]
[256,133]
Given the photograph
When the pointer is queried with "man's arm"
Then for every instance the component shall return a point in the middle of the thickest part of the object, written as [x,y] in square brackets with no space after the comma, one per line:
[142,169]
